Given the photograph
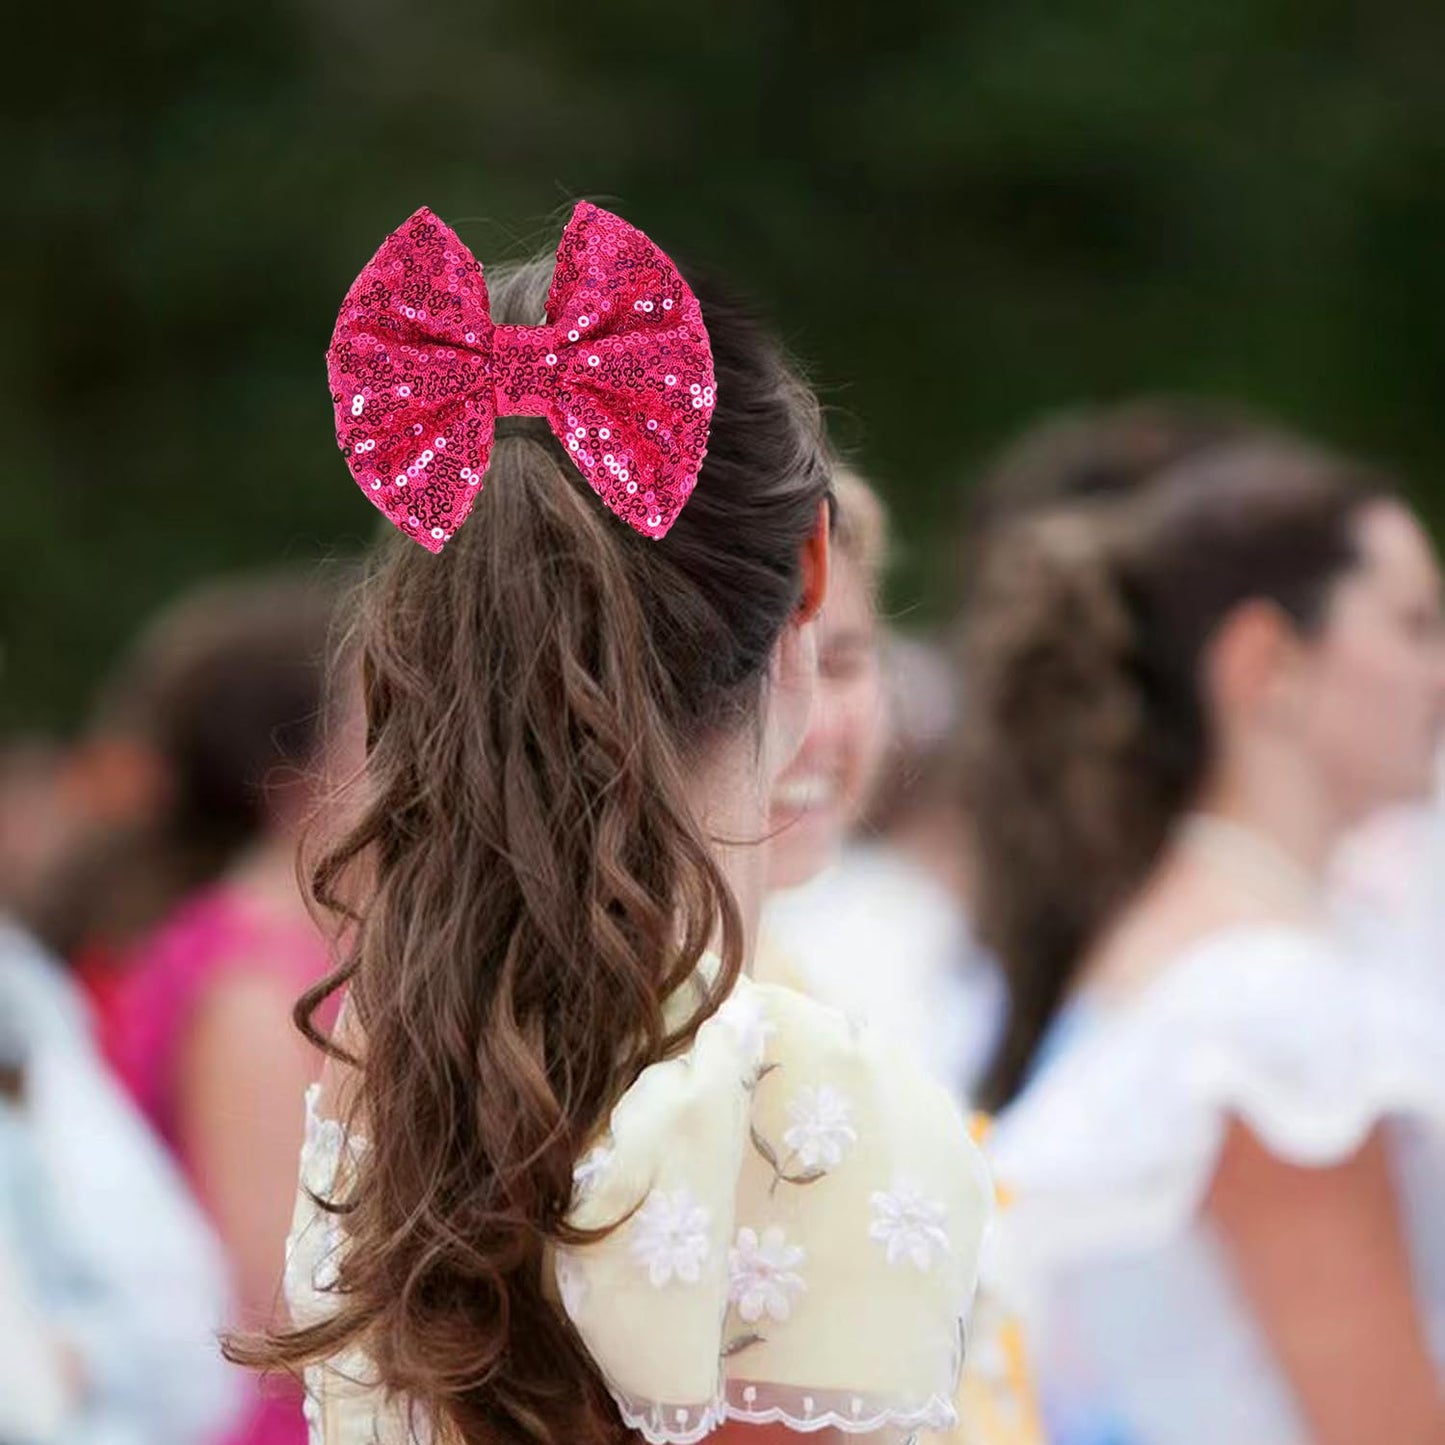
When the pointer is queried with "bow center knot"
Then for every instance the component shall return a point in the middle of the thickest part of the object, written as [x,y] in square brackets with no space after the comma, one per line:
[525,370]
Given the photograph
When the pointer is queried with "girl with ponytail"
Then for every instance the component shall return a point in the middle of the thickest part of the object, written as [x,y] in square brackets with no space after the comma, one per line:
[573,1176]
[1224,1137]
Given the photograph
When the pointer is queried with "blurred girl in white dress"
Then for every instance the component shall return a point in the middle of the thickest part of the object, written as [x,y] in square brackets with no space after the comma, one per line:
[1223,1132]
[866,917]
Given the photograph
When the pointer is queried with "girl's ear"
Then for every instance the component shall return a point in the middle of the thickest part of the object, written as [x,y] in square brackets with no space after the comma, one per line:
[816,563]
[1249,665]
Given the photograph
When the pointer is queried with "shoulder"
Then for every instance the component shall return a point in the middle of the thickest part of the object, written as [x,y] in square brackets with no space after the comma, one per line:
[1277,1028]
[788,1172]
[769,1047]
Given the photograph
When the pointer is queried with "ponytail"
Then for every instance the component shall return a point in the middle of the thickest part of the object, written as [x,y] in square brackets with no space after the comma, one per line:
[1070,784]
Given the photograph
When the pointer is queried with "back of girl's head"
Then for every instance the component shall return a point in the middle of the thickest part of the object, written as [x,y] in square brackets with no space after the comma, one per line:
[217,704]
[1088,732]
[538,701]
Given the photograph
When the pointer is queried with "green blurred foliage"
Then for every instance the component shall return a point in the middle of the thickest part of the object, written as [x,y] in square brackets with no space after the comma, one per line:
[960,215]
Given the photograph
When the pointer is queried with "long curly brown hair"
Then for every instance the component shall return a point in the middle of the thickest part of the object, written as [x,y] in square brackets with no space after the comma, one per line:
[1086,734]
[528,885]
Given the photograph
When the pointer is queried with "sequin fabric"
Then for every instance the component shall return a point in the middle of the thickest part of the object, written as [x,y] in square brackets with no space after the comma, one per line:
[622,372]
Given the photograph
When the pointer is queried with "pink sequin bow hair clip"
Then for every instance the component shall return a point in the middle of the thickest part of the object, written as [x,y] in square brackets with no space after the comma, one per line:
[622,372]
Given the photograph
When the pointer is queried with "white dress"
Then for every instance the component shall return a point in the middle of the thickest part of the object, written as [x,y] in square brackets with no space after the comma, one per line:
[806,1217]
[1139,1332]
[878,937]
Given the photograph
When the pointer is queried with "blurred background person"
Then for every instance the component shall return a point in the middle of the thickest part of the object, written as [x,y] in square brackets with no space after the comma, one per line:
[1223,1132]
[165,786]
[157,854]
[866,909]
[1384,878]
[228,691]
[820,795]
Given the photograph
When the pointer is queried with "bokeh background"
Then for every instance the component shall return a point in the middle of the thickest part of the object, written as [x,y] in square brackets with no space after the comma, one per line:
[958,214]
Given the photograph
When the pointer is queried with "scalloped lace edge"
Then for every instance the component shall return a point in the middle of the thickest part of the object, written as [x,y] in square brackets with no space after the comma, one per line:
[687,1425]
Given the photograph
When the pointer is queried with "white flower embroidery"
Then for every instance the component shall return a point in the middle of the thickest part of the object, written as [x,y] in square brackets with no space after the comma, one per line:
[669,1236]
[745,1016]
[590,1168]
[822,1128]
[909,1226]
[571,1284]
[764,1277]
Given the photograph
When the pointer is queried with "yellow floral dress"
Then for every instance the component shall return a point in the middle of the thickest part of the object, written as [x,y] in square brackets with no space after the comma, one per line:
[804,1215]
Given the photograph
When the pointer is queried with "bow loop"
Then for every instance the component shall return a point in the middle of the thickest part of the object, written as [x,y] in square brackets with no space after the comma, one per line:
[622,372]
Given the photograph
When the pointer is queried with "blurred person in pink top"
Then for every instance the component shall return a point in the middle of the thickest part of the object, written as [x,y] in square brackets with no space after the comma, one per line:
[228,692]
